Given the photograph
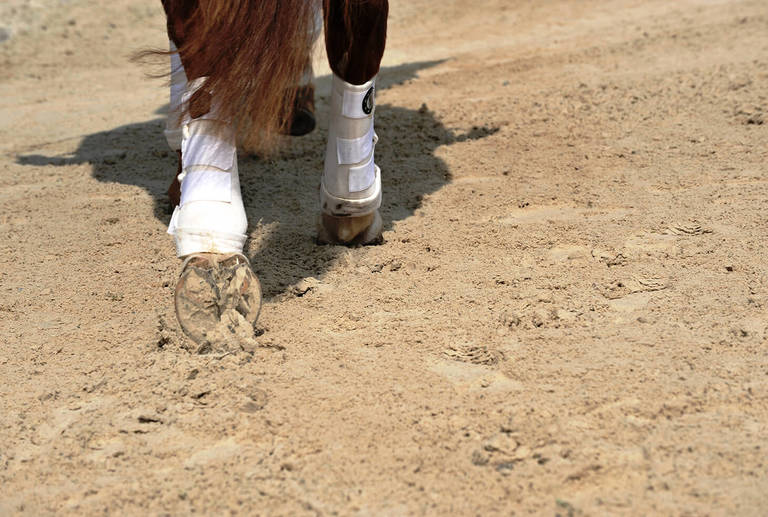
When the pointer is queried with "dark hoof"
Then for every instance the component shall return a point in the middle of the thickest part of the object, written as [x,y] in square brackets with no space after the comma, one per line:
[303,123]
[350,231]
[303,117]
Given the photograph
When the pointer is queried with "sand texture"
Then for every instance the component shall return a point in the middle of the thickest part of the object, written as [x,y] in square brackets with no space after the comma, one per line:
[568,317]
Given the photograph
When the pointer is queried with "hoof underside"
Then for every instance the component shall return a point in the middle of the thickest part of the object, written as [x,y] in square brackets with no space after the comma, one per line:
[217,296]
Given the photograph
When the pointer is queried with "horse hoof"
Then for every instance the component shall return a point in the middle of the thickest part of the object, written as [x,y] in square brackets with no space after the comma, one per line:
[303,123]
[303,117]
[363,230]
[215,289]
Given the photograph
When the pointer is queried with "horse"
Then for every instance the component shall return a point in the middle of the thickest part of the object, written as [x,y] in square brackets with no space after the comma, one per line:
[241,72]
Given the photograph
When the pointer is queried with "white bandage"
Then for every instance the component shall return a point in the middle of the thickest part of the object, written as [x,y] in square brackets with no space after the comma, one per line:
[205,185]
[178,86]
[210,217]
[207,161]
[206,145]
[351,183]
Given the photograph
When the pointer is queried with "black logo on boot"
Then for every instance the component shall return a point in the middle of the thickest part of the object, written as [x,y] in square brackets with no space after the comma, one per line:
[368,101]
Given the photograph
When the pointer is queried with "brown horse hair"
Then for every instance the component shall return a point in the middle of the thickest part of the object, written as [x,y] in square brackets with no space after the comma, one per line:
[355,37]
[252,54]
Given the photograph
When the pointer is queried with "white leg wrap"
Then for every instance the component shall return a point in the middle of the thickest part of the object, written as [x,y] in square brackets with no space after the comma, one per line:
[178,86]
[211,217]
[351,184]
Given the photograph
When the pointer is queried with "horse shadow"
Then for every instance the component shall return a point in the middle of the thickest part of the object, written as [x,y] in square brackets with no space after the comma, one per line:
[281,193]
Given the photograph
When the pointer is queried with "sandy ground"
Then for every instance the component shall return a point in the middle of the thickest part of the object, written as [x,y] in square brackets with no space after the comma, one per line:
[568,315]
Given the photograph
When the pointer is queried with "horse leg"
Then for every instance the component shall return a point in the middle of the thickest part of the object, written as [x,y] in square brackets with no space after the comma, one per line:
[350,191]
[177,13]
[303,113]
[209,224]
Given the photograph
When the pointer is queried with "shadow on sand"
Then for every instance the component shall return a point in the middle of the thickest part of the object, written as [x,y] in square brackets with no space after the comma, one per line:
[280,194]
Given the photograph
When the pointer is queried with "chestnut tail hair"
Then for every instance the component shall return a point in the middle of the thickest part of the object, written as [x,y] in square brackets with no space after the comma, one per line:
[252,54]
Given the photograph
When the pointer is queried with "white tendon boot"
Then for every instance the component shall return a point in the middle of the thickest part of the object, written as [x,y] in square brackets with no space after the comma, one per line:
[351,183]
[210,217]
[178,86]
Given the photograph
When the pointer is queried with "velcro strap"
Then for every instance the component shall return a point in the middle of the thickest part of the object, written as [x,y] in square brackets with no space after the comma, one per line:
[362,177]
[206,185]
[200,147]
[358,104]
[354,150]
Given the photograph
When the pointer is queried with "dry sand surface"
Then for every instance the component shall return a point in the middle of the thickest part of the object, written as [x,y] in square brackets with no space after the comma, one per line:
[568,315]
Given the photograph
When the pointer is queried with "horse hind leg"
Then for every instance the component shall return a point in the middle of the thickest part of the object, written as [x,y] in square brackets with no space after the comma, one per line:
[217,296]
[350,190]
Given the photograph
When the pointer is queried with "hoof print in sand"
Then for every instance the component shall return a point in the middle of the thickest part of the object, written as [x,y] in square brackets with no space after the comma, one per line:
[474,354]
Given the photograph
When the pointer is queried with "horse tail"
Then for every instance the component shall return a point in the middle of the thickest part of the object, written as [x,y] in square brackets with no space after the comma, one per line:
[252,54]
